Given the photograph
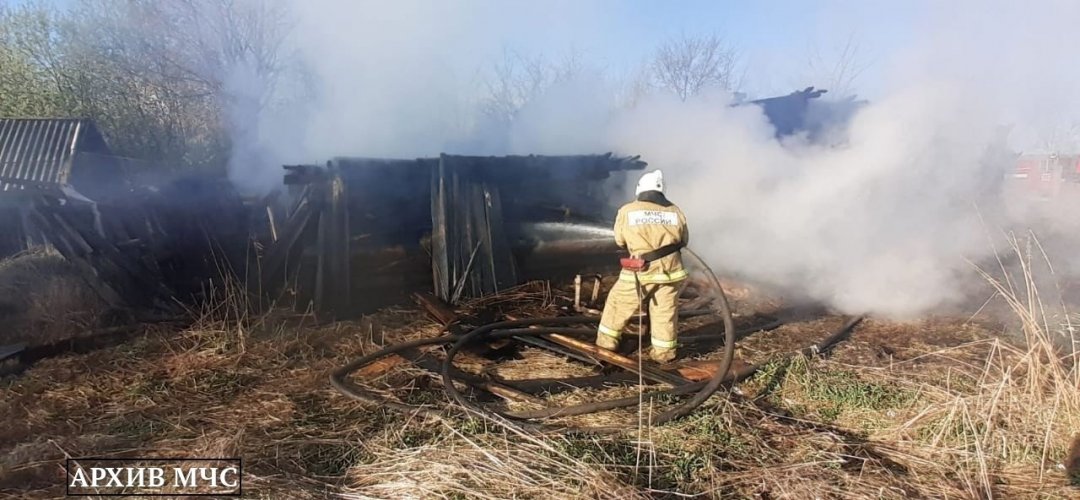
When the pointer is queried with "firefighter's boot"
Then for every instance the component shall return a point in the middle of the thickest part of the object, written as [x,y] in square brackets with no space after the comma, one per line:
[605,341]
[661,355]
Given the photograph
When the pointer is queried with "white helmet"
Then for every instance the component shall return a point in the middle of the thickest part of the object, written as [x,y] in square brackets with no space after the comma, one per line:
[650,181]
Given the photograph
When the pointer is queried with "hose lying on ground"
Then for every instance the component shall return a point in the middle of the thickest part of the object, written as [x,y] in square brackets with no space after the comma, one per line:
[340,382]
[528,328]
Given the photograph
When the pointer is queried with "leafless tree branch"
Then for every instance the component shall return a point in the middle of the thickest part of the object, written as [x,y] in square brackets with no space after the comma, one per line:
[688,65]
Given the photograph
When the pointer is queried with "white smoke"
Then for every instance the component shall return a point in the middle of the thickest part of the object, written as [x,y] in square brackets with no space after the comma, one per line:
[884,223]
[880,224]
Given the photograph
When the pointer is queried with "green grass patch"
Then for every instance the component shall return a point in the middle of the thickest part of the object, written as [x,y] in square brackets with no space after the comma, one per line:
[599,451]
[315,412]
[768,379]
[414,438]
[154,387]
[831,393]
[137,427]
[224,384]
[330,459]
[472,426]
[711,430]
[421,397]
[686,467]
[953,431]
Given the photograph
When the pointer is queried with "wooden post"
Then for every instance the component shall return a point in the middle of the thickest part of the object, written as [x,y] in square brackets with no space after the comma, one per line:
[333,284]
[274,266]
[440,265]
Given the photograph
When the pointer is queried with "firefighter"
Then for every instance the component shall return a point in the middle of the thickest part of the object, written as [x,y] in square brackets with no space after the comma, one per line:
[653,230]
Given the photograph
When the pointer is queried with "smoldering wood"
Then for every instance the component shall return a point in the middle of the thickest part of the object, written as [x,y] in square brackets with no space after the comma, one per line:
[274,263]
[471,238]
[648,372]
[470,250]
[145,249]
[352,235]
[332,284]
[436,308]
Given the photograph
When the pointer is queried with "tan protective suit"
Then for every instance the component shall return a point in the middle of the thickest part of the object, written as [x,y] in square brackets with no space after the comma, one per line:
[640,227]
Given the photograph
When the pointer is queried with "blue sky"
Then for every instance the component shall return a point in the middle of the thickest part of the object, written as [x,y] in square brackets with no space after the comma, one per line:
[777,37]
[774,37]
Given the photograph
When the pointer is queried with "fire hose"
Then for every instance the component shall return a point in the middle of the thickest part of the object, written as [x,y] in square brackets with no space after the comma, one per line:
[699,392]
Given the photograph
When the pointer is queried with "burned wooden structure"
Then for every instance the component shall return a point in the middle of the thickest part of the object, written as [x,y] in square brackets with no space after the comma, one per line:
[804,112]
[144,246]
[363,232]
[148,251]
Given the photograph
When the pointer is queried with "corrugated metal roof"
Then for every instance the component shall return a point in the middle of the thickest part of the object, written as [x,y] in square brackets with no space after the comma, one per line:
[39,151]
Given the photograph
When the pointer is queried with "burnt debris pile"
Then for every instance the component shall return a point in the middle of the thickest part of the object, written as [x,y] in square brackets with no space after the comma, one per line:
[348,236]
[148,245]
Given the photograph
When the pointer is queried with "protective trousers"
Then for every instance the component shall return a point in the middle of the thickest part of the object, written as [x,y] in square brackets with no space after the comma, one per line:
[662,305]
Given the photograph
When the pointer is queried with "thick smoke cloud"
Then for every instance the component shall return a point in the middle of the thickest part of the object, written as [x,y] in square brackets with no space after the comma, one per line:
[886,222]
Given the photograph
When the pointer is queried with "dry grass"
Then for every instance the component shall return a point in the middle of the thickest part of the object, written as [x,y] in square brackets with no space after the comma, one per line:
[965,414]
[43,298]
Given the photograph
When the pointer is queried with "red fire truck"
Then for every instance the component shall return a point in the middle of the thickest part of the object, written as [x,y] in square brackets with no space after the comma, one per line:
[1047,175]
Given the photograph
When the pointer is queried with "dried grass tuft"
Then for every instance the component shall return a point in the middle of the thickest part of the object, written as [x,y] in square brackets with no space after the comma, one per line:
[44,298]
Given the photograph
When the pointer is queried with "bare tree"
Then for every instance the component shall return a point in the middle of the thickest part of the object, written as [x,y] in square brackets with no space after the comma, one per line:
[191,66]
[516,79]
[687,65]
[839,70]
[1062,138]
[163,79]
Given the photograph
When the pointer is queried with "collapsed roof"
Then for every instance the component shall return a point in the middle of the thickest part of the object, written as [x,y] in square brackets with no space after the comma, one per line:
[804,112]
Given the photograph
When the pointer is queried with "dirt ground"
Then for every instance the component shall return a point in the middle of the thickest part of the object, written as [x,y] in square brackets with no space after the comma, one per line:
[940,408]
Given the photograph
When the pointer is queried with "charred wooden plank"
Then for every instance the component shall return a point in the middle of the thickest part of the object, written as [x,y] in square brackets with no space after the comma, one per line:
[623,362]
[381,366]
[273,267]
[436,308]
[61,240]
[558,349]
[470,249]
[506,392]
[333,285]
[503,271]
[440,266]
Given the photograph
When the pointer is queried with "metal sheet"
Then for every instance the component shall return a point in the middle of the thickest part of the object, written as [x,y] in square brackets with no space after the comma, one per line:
[38,152]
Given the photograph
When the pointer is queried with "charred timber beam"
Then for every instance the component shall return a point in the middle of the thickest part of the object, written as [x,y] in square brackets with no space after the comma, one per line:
[273,267]
[623,362]
[558,349]
[471,254]
[304,174]
[440,260]
[148,284]
[333,284]
[436,308]
[593,351]
[69,249]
